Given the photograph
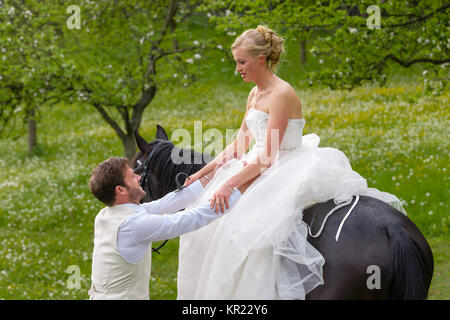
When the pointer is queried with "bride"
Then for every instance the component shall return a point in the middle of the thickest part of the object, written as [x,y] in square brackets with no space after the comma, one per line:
[250,252]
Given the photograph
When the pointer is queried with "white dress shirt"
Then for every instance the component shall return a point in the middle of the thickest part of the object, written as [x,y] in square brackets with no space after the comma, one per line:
[152,221]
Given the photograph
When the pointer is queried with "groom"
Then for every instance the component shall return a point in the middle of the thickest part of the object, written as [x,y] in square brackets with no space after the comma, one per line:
[124,229]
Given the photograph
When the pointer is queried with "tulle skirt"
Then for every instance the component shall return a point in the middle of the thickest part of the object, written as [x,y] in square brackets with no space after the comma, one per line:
[259,250]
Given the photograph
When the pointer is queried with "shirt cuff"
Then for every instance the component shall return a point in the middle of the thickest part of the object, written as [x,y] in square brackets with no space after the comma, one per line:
[196,188]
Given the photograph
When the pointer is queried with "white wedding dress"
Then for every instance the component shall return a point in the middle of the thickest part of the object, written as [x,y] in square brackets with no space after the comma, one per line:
[259,249]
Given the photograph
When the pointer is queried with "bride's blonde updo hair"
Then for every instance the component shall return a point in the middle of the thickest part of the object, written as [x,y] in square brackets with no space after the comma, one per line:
[261,40]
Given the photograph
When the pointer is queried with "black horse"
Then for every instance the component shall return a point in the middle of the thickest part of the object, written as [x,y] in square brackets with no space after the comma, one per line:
[380,254]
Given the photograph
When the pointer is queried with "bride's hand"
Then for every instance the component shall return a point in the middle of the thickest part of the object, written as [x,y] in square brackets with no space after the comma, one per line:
[191,179]
[220,199]
[199,174]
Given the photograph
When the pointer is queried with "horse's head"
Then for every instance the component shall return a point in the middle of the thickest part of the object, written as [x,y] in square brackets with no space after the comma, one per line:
[142,161]
[159,174]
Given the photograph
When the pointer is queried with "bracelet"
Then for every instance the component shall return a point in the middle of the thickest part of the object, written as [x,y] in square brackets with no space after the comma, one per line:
[206,177]
[229,188]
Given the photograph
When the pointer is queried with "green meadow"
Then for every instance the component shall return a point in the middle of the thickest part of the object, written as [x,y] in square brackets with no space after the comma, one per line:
[395,136]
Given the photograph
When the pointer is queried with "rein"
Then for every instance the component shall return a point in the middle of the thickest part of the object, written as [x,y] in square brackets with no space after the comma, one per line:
[343,204]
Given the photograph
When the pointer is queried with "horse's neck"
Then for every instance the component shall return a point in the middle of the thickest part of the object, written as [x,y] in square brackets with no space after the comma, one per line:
[168,178]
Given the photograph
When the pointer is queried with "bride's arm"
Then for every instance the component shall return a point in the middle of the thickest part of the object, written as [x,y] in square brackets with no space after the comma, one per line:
[276,128]
[234,150]
[279,106]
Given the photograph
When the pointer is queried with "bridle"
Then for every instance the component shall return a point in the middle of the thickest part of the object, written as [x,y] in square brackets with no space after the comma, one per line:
[145,173]
[144,181]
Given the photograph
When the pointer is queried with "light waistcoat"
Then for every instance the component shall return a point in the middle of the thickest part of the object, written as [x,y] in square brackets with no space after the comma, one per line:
[112,276]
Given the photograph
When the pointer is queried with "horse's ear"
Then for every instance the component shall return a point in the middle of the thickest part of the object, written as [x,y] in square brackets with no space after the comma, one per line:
[141,143]
[161,133]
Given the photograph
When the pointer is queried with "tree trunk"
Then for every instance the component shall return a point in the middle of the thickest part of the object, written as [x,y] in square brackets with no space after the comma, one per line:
[130,147]
[302,51]
[32,128]
[130,125]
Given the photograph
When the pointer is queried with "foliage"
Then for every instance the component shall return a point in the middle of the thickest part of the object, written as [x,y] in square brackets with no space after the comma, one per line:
[125,51]
[32,69]
[122,52]
[394,136]
[350,46]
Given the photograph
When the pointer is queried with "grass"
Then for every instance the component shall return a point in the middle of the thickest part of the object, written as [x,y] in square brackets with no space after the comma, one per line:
[394,136]
[440,284]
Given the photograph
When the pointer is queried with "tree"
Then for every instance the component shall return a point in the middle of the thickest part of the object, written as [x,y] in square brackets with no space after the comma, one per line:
[351,47]
[112,55]
[126,50]
[31,68]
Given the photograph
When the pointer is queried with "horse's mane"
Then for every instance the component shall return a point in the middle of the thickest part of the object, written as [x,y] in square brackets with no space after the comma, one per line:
[166,170]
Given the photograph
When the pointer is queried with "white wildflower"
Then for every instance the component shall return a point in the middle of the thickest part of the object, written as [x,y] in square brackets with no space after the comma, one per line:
[11,11]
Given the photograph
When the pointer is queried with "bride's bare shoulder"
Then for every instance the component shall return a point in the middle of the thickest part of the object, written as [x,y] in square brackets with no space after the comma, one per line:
[285,97]
[285,91]
[250,96]
[252,92]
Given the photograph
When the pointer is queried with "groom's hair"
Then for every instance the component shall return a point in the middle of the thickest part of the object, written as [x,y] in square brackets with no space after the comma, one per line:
[105,177]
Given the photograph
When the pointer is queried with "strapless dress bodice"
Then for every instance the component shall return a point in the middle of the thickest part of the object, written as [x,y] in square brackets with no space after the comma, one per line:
[257,124]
